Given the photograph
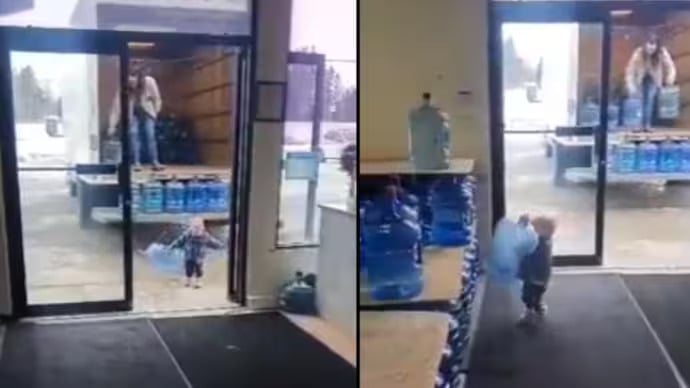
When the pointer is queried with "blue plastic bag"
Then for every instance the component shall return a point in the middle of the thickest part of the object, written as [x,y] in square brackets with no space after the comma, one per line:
[511,243]
[166,259]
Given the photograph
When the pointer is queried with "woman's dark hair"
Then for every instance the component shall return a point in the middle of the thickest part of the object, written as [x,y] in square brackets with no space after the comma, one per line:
[347,159]
[655,57]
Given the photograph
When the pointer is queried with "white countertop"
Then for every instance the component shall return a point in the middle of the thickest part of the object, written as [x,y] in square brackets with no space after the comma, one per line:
[457,166]
[339,207]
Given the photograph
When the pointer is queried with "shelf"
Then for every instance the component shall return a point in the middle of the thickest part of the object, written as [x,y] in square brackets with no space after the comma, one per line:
[404,167]
[401,349]
[442,278]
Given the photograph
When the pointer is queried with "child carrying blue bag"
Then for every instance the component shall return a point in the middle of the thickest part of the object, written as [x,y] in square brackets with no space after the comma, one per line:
[186,253]
[522,253]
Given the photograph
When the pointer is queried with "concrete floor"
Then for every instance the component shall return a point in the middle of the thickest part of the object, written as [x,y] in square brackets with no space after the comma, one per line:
[646,223]
[65,263]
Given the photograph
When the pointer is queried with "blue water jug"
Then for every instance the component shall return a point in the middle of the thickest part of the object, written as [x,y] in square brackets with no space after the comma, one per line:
[448,212]
[391,245]
[136,197]
[218,193]
[512,241]
[174,196]
[648,157]
[614,116]
[429,134]
[669,102]
[589,114]
[685,156]
[670,156]
[152,197]
[625,158]
[632,113]
[195,197]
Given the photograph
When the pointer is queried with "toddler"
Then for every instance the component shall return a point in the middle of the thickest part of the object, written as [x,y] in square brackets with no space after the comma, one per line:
[535,268]
[194,242]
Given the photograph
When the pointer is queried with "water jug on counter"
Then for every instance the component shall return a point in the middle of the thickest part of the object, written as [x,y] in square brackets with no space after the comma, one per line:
[648,157]
[217,193]
[670,156]
[391,239]
[669,102]
[448,207]
[135,195]
[589,114]
[152,197]
[429,136]
[685,156]
[632,113]
[614,116]
[625,158]
[174,196]
[195,197]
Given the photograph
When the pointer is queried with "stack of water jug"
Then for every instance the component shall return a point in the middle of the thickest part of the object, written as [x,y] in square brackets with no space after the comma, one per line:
[668,156]
[175,196]
[392,232]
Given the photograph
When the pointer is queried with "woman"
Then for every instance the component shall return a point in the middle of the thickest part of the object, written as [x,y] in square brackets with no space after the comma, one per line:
[144,106]
[650,68]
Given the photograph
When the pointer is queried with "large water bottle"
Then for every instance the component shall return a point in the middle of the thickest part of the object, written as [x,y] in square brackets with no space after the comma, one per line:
[648,157]
[152,197]
[632,113]
[589,114]
[136,197]
[448,208]
[670,156]
[391,246]
[429,137]
[685,156]
[625,158]
[174,196]
[614,116]
[218,193]
[669,102]
[195,196]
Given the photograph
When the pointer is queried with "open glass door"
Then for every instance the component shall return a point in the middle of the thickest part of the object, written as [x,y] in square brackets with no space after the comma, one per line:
[550,95]
[305,160]
[68,262]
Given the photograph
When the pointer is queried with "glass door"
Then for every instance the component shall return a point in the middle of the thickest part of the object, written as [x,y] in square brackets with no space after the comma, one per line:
[647,195]
[72,260]
[548,131]
[310,163]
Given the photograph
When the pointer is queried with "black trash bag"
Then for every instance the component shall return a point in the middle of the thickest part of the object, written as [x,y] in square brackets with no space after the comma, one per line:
[299,295]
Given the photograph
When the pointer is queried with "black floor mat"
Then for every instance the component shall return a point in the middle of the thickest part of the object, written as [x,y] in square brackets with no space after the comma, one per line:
[118,354]
[664,300]
[257,350]
[593,337]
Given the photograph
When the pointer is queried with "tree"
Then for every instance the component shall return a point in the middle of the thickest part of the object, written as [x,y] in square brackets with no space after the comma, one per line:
[515,71]
[32,102]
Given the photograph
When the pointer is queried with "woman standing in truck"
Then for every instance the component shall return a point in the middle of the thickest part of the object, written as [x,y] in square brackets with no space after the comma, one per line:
[145,104]
[650,68]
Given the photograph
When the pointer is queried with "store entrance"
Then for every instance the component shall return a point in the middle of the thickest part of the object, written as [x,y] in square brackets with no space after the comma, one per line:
[602,145]
[107,195]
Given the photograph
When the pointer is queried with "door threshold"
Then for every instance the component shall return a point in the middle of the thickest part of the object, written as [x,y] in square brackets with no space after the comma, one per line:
[129,315]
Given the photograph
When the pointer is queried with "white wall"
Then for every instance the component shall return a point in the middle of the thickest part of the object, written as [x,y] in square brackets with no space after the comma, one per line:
[268,267]
[411,46]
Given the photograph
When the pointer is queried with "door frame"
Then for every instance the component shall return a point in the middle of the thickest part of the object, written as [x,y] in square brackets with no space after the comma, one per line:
[599,12]
[113,43]
[318,63]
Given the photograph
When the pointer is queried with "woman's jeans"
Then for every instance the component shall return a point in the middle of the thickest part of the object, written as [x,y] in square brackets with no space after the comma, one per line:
[149,124]
[650,91]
